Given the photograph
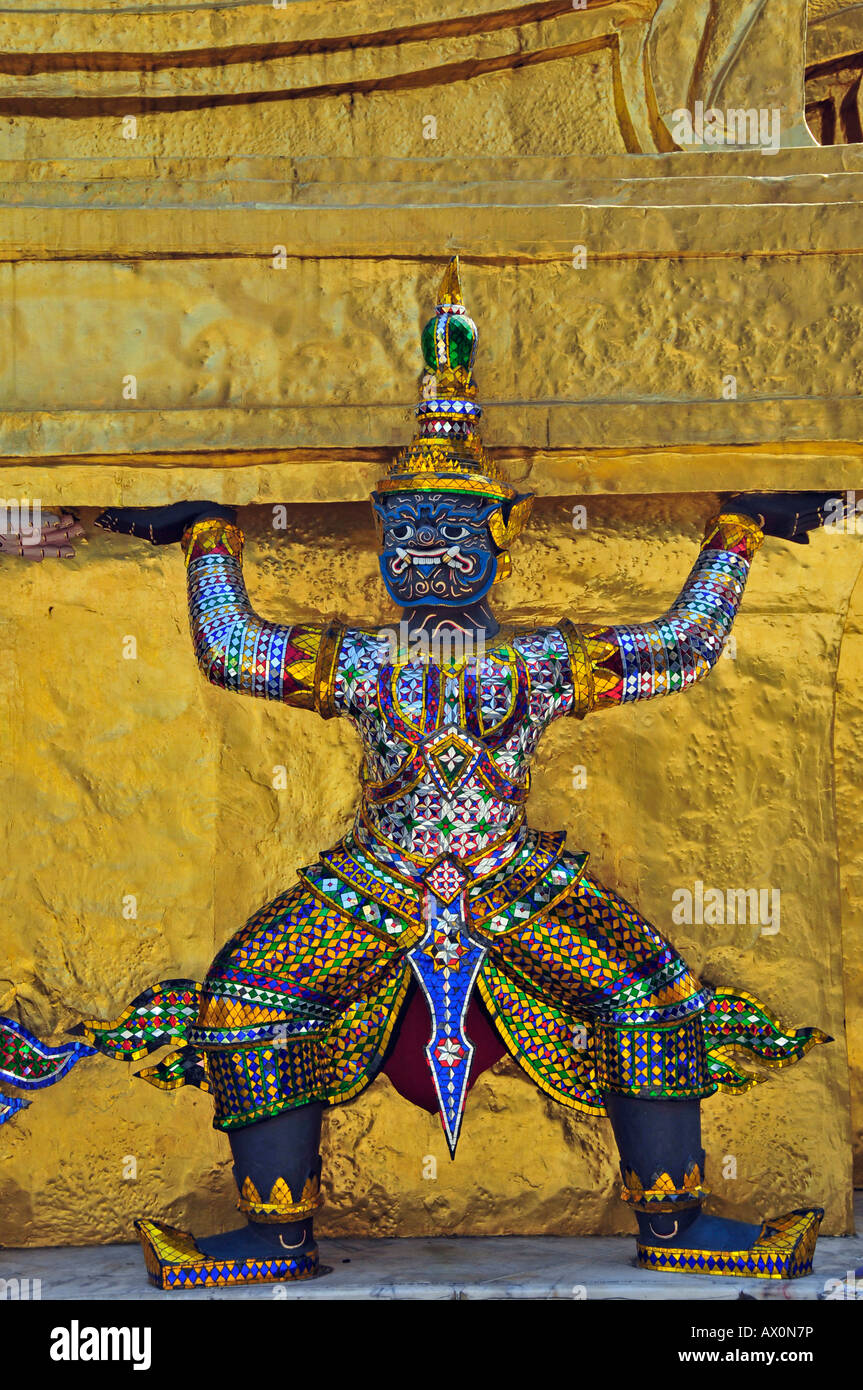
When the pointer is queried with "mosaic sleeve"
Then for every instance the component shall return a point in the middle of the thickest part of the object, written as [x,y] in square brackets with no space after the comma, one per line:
[235,648]
[614,665]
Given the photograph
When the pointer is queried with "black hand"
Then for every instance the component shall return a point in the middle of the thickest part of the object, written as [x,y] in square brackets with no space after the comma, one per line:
[789,515]
[161,525]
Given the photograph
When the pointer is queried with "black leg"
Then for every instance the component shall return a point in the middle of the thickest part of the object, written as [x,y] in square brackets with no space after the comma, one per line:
[662,1165]
[276,1165]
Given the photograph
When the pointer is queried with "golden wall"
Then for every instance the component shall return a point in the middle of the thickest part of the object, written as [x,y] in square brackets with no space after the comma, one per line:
[260,257]
[136,777]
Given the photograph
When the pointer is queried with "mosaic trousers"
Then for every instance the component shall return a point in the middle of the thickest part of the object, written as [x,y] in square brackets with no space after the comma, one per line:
[303,1003]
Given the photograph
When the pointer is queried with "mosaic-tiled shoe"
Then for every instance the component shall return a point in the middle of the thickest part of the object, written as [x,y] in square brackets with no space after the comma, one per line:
[676,1235]
[174,1261]
[782,1249]
[666,1190]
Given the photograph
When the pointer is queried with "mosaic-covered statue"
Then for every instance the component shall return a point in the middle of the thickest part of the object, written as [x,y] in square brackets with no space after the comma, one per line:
[443,930]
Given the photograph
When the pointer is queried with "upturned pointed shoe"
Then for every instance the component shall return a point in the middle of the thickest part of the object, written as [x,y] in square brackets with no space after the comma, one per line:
[175,1261]
[782,1249]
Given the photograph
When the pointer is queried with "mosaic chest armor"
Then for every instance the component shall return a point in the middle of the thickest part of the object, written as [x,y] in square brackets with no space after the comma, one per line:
[448,750]
[444,781]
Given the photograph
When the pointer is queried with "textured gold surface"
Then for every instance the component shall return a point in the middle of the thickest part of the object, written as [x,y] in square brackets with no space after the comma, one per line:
[135,777]
[231,355]
[153,256]
[362,76]
[849,806]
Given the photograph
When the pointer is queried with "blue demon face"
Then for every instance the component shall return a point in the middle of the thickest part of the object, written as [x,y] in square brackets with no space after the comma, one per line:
[436,550]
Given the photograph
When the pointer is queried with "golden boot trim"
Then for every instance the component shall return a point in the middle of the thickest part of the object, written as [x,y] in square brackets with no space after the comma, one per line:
[664,1195]
[174,1261]
[281,1205]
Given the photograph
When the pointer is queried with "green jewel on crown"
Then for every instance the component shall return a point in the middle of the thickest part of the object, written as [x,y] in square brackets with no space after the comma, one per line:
[446,452]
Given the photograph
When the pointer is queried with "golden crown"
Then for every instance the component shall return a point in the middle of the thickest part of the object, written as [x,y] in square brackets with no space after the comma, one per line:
[446,453]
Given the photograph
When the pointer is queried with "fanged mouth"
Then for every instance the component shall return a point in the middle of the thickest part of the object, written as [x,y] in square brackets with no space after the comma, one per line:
[428,559]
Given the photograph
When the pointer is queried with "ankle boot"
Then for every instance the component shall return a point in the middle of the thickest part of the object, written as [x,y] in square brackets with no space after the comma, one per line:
[662,1166]
[277,1169]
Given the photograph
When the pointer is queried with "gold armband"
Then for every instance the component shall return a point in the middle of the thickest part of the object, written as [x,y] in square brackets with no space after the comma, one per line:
[732,528]
[326,664]
[583,694]
[203,537]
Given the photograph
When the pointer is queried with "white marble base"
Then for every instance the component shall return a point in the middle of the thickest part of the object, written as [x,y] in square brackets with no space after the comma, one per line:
[521,1267]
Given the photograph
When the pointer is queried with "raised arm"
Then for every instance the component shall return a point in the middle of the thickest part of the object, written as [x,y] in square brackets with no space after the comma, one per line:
[614,665]
[235,648]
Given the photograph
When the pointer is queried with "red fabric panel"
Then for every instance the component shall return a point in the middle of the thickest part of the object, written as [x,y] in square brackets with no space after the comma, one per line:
[407,1067]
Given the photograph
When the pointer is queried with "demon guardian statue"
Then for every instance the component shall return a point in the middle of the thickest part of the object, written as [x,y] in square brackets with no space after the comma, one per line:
[442,897]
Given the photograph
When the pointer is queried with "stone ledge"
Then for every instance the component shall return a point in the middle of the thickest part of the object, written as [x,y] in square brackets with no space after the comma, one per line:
[138,477]
[532,228]
[476,1269]
[814,175]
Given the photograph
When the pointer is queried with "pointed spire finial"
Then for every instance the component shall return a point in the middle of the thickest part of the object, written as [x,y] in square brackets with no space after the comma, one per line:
[450,291]
[446,453]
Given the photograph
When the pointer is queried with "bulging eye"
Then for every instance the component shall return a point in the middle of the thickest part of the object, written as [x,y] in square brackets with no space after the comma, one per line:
[452,532]
[400,532]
